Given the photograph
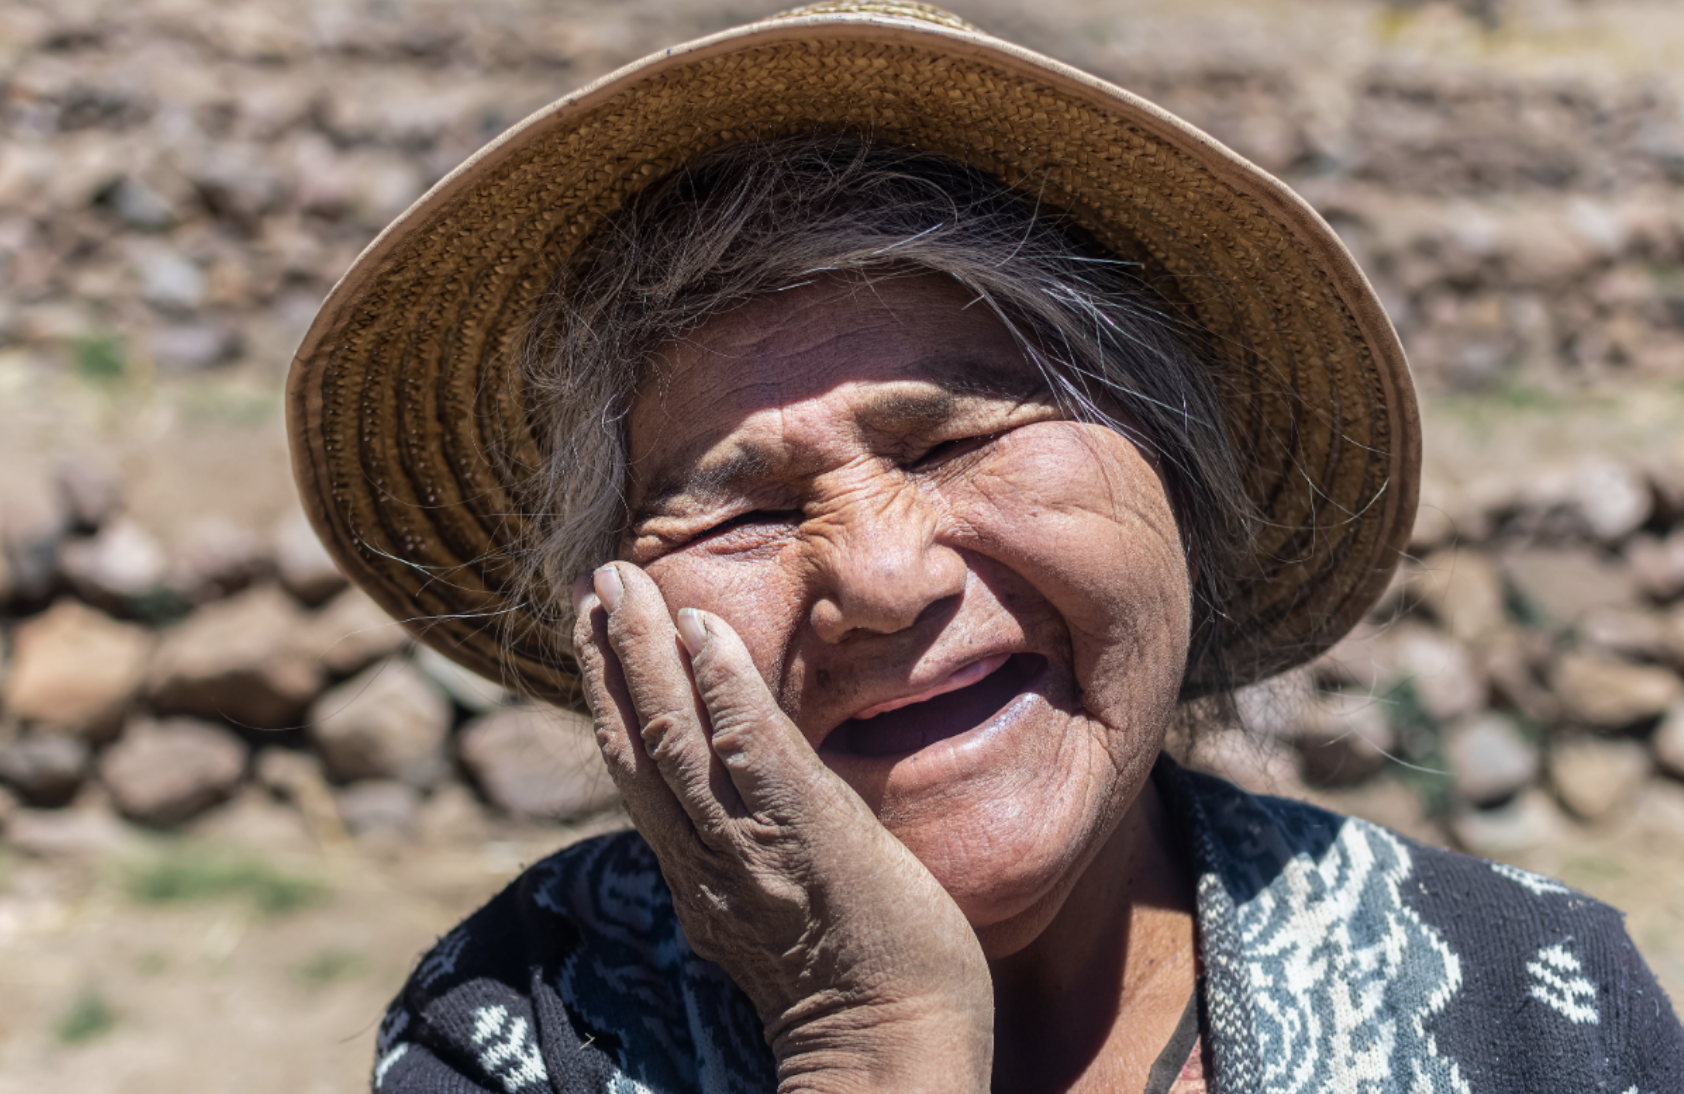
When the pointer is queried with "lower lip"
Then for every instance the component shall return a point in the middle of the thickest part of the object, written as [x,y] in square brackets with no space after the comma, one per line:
[951,719]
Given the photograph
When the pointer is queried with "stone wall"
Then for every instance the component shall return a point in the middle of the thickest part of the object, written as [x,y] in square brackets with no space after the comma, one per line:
[181,183]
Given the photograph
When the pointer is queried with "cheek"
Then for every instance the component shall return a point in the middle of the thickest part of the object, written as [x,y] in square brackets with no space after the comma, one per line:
[1079,514]
[760,599]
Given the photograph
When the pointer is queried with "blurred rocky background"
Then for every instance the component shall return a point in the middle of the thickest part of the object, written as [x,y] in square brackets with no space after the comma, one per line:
[236,800]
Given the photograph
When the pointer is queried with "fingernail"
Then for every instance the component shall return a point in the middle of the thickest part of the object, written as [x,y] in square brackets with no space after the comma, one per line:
[608,587]
[692,630]
[582,591]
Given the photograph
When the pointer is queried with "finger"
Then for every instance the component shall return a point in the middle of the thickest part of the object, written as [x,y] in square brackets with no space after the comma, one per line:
[648,798]
[670,718]
[773,767]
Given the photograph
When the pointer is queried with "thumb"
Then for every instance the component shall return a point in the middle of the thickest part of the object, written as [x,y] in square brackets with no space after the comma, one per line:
[775,770]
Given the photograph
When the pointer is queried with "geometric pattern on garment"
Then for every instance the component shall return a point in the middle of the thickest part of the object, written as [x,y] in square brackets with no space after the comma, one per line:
[682,1024]
[508,1051]
[1344,974]
[1537,883]
[1556,982]
[442,961]
[388,1049]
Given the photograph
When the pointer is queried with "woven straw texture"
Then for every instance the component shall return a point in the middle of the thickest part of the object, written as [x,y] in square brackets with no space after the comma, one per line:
[411,437]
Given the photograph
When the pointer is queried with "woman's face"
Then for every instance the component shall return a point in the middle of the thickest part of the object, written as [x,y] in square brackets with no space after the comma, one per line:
[976,610]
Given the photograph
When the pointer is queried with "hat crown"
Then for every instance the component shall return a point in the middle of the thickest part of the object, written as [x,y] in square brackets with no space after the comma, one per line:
[895,9]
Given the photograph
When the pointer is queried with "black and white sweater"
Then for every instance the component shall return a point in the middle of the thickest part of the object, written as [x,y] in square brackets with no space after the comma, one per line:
[1339,957]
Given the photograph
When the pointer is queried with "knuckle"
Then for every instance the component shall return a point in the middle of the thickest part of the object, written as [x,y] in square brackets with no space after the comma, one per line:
[661,733]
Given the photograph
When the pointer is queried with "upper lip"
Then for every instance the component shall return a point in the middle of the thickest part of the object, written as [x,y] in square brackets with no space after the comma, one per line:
[963,673]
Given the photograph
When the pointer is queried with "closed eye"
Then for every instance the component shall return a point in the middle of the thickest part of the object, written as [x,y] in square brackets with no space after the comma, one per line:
[947,450]
[753,519]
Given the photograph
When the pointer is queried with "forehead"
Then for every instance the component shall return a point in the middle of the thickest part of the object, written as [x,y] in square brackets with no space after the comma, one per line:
[886,356]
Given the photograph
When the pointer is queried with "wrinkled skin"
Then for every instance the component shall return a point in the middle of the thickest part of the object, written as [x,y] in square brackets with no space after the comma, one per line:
[881,674]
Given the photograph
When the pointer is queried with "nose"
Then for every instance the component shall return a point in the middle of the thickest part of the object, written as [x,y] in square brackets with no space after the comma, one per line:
[882,569]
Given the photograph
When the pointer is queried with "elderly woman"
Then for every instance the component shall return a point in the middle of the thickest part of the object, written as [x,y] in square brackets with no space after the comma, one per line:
[933,426]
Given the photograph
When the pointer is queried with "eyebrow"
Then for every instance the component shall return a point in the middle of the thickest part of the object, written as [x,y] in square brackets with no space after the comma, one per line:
[890,414]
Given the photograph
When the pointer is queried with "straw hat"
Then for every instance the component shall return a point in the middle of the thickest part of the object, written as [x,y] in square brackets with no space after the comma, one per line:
[410,435]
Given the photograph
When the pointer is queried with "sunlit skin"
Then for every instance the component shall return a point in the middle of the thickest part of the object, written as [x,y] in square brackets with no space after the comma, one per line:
[899,571]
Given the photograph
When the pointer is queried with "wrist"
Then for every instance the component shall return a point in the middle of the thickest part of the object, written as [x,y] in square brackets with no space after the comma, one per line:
[879,1048]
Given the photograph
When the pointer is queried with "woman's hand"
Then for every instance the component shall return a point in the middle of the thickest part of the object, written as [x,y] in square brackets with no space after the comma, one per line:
[865,972]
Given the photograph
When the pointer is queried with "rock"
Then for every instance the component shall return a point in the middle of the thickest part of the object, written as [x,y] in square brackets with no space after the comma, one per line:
[1603,693]
[241,660]
[140,205]
[1668,742]
[1489,759]
[1344,739]
[1361,660]
[1612,499]
[1530,820]
[451,815]
[77,669]
[1447,679]
[1515,662]
[162,773]
[1464,592]
[215,557]
[1658,564]
[33,519]
[352,632]
[297,777]
[1660,811]
[305,567]
[537,762]
[282,771]
[9,806]
[170,280]
[378,805]
[1565,583]
[470,690]
[387,723]
[44,770]
[193,347]
[93,494]
[1592,776]
[1625,632]
[123,562]
[253,820]
[60,834]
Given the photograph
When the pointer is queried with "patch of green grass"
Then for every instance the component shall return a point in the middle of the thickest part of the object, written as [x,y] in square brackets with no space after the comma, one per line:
[327,966]
[187,872]
[101,359]
[88,1016]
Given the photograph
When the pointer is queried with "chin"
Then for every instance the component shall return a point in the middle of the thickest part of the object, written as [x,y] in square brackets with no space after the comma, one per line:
[1008,816]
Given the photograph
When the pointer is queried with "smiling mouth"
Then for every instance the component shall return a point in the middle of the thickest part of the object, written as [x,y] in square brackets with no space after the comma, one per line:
[919,723]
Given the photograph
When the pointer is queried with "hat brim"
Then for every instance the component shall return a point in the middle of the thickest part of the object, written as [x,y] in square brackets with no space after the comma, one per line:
[411,438]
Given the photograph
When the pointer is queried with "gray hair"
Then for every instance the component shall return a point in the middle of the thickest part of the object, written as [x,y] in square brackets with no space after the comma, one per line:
[758,216]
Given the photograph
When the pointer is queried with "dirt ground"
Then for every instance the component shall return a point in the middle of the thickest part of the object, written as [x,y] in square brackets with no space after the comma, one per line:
[240,957]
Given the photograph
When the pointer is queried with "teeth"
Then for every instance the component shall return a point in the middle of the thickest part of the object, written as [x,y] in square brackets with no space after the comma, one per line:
[961,678]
